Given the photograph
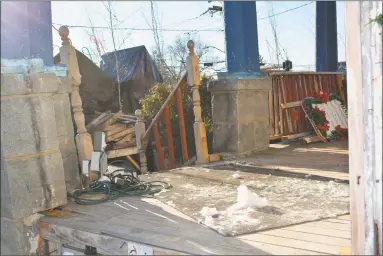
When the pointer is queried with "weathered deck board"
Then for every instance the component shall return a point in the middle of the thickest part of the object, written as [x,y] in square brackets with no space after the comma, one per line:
[152,225]
[293,243]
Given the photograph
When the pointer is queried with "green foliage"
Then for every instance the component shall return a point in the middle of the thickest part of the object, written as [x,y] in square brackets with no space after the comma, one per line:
[378,19]
[158,94]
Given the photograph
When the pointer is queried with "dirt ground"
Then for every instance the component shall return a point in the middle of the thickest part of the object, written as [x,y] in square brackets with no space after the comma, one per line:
[290,200]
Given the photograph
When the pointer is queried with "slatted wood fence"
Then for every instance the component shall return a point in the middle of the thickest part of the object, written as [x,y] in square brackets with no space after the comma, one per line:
[288,90]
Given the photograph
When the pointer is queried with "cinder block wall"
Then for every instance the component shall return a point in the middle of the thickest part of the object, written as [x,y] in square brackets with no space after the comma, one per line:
[36,130]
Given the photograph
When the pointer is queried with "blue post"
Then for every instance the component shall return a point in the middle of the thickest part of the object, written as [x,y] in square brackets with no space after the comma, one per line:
[26,30]
[242,54]
[326,37]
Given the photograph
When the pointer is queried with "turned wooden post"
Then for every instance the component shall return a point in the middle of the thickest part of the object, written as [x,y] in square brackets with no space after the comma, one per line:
[68,57]
[140,131]
[193,79]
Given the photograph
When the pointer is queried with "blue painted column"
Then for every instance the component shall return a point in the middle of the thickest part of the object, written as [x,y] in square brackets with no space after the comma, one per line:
[326,37]
[26,30]
[242,54]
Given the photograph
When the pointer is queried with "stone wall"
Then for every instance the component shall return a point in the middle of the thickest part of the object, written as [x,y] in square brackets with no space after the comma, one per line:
[36,131]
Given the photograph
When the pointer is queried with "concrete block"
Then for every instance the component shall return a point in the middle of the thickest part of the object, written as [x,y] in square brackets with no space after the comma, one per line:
[22,66]
[18,238]
[28,125]
[225,138]
[71,165]
[63,114]
[64,84]
[32,185]
[22,84]
[224,106]
[240,114]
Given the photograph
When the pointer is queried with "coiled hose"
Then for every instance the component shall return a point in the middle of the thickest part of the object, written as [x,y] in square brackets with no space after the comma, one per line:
[110,190]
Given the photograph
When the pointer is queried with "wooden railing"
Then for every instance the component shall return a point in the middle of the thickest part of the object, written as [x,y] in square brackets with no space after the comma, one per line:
[190,78]
[288,90]
[68,57]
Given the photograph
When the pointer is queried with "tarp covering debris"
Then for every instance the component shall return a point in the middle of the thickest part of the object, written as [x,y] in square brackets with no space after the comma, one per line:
[134,64]
[98,89]
[137,73]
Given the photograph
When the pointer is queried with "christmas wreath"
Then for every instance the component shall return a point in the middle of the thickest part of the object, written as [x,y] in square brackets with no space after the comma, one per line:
[318,118]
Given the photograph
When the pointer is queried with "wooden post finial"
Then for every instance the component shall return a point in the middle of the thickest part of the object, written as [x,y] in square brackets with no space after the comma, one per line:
[190,46]
[193,79]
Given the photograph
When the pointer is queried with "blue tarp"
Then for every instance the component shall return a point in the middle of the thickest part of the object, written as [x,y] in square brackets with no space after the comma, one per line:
[135,64]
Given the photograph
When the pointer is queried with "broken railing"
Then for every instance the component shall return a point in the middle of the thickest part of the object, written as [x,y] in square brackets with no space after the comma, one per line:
[190,78]
[288,90]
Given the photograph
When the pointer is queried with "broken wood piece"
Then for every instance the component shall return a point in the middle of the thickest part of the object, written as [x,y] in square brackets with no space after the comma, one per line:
[120,134]
[116,129]
[291,104]
[122,152]
[126,138]
[110,121]
[214,158]
[128,144]
[311,139]
[190,161]
[97,121]
[295,136]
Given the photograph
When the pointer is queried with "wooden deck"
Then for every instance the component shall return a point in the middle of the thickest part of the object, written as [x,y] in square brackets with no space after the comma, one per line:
[113,227]
[322,159]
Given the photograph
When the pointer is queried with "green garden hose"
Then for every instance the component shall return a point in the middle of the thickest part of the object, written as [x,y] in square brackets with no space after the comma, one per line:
[104,191]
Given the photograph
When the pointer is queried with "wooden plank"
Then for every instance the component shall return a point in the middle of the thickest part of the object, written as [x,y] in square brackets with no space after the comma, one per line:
[295,136]
[169,135]
[321,239]
[275,137]
[277,249]
[53,248]
[113,129]
[339,83]
[312,139]
[277,109]
[344,217]
[97,121]
[160,153]
[271,112]
[181,119]
[118,145]
[122,152]
[338,221]
[121,134]
[106,245]
[110,121]
[320,231]
[330,225]
[291,104]
[294,243]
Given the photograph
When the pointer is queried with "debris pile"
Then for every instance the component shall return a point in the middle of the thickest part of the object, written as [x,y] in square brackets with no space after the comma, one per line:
[118,128]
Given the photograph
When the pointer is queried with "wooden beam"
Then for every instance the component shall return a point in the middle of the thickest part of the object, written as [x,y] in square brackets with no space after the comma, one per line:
[295,136]
[105,244]
[291,104]
[122,152]
[181,120]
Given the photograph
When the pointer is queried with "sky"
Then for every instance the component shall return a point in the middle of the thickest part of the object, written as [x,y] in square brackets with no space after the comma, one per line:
[295,28]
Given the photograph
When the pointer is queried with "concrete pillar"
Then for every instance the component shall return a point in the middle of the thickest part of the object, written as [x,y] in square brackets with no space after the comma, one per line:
[26,30]
[32,173]
[240,104]
[66,134]
[326,37]
[241,32]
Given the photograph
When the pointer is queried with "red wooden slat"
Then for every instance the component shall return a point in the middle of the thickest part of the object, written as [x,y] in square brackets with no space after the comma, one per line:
[169,135]
[284,111]
[277,108]
[181,120]
[160,153]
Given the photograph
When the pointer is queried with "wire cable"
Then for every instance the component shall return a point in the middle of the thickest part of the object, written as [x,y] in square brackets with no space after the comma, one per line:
[100,191]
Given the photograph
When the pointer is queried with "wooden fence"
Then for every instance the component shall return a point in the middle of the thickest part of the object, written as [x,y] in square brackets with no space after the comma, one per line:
[288,90]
